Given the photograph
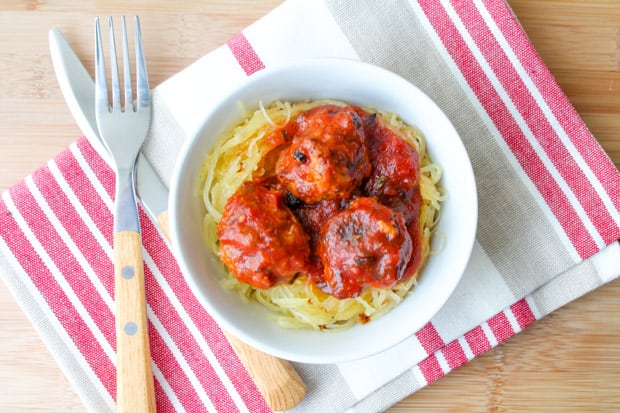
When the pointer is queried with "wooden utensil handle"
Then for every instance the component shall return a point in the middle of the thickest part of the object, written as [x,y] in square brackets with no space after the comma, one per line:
[276,379]
[134,391]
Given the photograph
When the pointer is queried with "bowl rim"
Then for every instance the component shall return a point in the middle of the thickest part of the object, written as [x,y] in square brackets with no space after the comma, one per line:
[189,147]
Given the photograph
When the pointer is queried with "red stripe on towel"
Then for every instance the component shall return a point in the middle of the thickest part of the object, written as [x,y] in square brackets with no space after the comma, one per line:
[600,164]
[454,354]
[429,338]
[431,369]
[170,318]
[477,340]
[97,261]
[156,298]
[64,260]
[85,192]
[59,304]
[211,333]
[174,374]
[523,313]
[100,216]
[500,326]
[103,172]
[509,129]
[538,123]
[188,346]
[245,54]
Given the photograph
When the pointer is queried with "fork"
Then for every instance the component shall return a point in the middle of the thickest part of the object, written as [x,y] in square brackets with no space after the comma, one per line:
[123,130]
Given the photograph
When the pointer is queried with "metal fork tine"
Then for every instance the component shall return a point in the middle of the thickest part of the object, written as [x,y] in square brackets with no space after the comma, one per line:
[127,70]
[101,84]
[116,87]
[142,81]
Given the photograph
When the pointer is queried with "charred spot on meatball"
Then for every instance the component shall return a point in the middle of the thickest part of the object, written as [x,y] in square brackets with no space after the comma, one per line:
[328,157]
[298,155]
[292,201]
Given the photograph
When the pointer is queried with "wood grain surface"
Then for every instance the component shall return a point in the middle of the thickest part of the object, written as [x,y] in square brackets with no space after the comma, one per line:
[569,361]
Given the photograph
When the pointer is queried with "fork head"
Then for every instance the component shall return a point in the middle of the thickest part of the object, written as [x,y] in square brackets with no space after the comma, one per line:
[123,128]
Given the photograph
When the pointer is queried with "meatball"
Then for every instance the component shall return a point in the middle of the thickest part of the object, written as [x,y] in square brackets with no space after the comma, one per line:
[394,179]
[328,157]
[366,244]
[261,242]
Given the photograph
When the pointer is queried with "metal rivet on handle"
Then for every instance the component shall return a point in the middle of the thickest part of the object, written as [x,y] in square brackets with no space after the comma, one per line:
[127,272]
[131,328]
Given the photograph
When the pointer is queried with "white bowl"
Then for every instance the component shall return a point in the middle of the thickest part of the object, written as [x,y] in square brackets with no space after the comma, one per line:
[356,83]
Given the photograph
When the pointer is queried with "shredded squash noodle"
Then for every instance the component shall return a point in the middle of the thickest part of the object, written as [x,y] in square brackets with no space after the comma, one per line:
[242,154]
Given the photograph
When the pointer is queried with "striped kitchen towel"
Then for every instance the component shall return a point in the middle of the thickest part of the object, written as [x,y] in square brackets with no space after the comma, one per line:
[549,210]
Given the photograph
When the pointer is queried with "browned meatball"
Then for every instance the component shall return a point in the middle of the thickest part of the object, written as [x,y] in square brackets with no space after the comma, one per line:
[366,244]
[394,179]
[261,242]
[327,158]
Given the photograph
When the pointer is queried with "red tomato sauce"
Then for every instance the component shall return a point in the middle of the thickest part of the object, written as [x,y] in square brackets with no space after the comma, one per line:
[342,207]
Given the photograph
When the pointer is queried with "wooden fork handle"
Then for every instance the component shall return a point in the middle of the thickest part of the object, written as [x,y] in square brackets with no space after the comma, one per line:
[276,379]
[134,391]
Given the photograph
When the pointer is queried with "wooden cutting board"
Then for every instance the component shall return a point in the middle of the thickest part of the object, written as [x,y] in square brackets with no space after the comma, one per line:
[568,361]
